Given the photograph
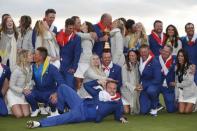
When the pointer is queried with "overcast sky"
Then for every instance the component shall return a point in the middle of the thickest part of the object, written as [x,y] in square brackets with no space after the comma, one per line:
[177,12]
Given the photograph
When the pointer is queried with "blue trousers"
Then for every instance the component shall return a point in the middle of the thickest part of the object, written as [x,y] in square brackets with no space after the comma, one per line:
[3,108]
[148,99]
[66,96]
[169,98]
[37,96]
[69,79]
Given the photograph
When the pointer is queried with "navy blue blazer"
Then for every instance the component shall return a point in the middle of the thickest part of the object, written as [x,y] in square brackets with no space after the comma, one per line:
[116,74]
[154,46]
[170,77]
[70,54]
[191,50]
[50,80]
[5,75]
[151,74]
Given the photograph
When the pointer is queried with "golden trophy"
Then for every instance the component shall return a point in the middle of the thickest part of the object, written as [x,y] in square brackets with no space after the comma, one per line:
[106,44]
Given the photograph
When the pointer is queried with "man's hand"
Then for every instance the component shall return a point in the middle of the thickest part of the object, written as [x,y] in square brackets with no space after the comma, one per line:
[102,82]
[138,88]
[123,120]
[94,36]
[72,71]
[53,98]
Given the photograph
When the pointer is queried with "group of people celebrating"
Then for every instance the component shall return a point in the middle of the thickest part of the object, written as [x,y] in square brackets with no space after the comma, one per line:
[85,72]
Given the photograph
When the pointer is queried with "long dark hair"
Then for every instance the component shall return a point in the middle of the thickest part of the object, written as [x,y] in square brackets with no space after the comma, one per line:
[4,27]
[176,35]
[90,26]
[182,69]
[127,58]
[25,23]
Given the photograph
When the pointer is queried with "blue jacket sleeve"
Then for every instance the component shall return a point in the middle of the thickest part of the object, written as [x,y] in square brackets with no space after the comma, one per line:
[57,76]
[89,88]
[77,53]
[119,111]
[156,72]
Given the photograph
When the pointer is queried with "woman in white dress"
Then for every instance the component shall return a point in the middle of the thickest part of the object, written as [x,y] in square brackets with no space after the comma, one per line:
[45,38]
[186,90]
[8,42]
[87,43]
[131,87]
[20,81]
[117,42]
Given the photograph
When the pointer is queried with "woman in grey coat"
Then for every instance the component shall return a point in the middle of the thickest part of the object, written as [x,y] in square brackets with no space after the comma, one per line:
[131,87]
[20,82]
[186,90]
[25,34]
[117,43]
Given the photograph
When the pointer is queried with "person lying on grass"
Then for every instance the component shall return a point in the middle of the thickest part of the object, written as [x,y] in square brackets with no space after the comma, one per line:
[103,103]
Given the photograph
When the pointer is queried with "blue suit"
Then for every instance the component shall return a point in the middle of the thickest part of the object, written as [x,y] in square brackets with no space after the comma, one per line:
[168,91]
[44,87]
[82,109]
[70,54]
[116,74]
[5,75]
[192,52]
[154,46]
[150,80]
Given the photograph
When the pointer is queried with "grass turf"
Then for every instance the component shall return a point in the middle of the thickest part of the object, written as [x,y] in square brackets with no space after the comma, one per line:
[163,122]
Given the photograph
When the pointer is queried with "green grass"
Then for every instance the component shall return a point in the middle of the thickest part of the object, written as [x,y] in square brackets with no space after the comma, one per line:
[163,122]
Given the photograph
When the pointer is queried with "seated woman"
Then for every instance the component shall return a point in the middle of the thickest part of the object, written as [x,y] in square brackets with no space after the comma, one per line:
[4,85]
[130,89]
[186,90]
[19,82]
[92,73]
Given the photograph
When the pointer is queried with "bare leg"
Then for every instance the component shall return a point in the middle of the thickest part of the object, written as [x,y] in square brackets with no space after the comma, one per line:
[17,111]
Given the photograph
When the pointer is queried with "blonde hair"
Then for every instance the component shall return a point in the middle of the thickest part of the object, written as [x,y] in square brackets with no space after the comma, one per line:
[143,33]
[22,59]
[40,29]
[97,69]
[120,25]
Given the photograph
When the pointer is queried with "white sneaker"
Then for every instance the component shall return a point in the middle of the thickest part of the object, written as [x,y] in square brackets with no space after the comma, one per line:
[43,111]
[153,112]
[55,113]
[32,124]
[160,108]
[35,113]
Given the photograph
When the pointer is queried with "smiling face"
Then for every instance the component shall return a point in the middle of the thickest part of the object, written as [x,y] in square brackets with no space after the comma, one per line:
[189,29]
[50,18]
[170,31]
[165,52]
[133,57]
[158,27]
[106,58]
[9,23]
[111,88]
[144,53]
[95,61]
[84,28]
[181,59]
